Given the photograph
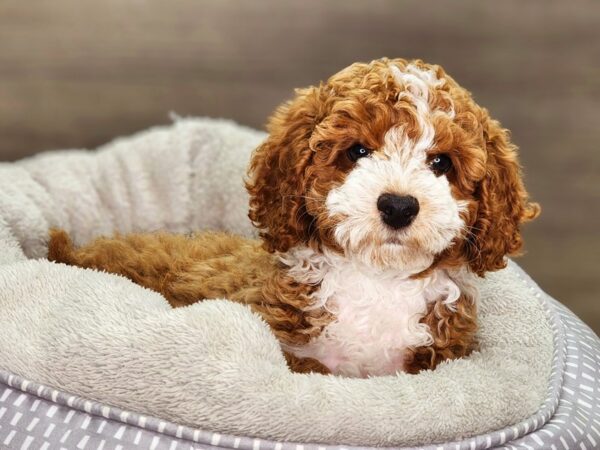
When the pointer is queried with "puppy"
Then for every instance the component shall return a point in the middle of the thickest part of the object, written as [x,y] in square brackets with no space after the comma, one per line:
[380,196]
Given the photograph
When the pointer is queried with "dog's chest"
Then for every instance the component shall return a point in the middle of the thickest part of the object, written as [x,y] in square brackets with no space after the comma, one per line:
[376,318]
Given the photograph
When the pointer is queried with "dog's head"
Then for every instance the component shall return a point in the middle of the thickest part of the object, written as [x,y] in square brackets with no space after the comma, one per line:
[394,164]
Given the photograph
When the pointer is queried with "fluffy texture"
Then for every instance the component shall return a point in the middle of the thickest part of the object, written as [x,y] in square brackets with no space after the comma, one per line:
[216,365]
[310,188]
[378,315]
[122,187]
[383,290]
[405,114]
[208,265]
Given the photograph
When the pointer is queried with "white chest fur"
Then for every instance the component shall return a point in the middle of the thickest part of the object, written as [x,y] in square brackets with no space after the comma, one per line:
[376,312]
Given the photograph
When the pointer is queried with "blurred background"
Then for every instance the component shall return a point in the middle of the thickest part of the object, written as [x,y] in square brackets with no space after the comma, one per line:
[76,74]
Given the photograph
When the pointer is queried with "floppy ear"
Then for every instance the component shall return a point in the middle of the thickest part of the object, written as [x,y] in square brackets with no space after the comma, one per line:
[503,204]
[278,179]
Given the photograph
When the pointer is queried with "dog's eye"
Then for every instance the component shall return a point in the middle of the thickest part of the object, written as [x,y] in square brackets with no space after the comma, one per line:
[357,151]
[440,164]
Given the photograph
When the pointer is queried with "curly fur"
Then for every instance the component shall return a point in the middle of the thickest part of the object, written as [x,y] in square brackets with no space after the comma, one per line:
[302,188]
[205,266]
[303,159]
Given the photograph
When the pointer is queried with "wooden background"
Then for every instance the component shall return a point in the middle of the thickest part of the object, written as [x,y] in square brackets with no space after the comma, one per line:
[76,74]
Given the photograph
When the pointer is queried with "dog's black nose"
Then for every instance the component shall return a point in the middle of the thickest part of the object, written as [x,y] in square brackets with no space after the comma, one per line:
[397,211]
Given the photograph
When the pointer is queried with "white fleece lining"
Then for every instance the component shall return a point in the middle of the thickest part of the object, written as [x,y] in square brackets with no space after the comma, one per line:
[215,365]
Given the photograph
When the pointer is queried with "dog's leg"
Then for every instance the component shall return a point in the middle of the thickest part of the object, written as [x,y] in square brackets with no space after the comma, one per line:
[453,335]
[305,365]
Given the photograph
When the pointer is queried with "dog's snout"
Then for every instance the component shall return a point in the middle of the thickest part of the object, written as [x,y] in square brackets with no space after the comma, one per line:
[397,211]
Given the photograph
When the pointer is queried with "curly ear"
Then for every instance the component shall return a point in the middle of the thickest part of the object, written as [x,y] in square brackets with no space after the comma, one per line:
[503,204]
[278,179]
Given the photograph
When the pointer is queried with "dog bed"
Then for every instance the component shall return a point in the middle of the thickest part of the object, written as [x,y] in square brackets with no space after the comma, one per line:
[90,360]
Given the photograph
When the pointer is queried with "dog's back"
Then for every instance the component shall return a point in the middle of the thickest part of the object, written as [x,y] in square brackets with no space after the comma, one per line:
[185,269]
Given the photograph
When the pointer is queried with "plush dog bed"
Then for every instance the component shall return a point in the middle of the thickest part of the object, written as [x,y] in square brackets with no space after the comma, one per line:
[90,360]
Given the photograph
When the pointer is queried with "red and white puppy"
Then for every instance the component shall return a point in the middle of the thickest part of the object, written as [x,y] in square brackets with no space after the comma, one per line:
[380,196]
